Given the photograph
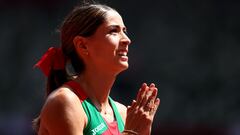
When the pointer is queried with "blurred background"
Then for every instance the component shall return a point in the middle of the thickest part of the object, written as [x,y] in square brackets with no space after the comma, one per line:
[190,49]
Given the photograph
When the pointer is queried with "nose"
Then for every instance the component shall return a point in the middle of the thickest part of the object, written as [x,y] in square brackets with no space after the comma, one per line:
[125,39]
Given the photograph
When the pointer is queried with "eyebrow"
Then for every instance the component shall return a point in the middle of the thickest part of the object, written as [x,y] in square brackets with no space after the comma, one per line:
[117,26]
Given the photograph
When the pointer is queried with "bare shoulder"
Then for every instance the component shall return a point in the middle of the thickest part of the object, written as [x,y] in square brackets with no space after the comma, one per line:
[61,99]
[122,110]
[62,111]
[64,96]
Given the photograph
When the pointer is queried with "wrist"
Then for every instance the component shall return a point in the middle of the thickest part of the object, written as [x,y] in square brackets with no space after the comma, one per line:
[129,132]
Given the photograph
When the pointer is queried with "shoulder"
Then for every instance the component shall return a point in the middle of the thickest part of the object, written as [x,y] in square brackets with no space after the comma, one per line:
[122,110]
[62,99]
[64,96]
[60,111]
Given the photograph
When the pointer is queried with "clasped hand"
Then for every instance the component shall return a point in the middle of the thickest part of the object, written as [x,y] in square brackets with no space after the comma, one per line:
[141,113]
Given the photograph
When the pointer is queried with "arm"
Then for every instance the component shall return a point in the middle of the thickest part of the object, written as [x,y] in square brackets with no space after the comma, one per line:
[63,114]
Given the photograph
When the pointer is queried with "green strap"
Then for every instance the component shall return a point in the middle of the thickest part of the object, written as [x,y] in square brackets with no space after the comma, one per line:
[96,123]
[117,115]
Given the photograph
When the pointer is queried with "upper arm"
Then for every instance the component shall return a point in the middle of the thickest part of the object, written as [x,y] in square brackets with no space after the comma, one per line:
[122,110]
[63,114]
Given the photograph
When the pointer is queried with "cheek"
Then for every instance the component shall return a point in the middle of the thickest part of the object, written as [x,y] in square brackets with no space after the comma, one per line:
[110,45]
[113,42]
[105,47]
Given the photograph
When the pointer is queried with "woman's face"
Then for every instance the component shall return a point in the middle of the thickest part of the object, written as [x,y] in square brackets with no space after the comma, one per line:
[108,47]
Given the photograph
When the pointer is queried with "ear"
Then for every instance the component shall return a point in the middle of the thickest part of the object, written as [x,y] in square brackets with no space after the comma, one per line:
[79,43]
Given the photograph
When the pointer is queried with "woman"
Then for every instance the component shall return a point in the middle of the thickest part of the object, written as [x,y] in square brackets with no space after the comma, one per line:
[95,44]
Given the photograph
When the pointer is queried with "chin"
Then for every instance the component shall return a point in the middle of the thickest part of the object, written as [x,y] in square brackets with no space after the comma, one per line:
[124,66]
[121,68]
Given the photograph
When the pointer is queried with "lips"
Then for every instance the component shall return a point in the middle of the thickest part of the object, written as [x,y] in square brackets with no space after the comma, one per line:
[122,52]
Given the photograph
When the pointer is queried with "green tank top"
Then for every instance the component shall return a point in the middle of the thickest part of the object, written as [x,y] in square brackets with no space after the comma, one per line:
[96,124]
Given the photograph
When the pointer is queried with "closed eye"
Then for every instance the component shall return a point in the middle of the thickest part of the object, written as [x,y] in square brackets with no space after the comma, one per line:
[113,30]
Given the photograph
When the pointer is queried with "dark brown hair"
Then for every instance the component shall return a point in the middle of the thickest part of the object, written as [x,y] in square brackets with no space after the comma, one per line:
[83,20]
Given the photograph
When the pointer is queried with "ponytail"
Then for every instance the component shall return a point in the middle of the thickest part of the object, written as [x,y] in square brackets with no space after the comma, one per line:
[55,79]
[52,65]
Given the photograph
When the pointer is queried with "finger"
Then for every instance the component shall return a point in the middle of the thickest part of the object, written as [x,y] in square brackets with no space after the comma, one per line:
[133,104]
[154,93]
[156,105]
[148,93]
[141,90]
[150,102]
[152,85]
[157,102]
[141,94]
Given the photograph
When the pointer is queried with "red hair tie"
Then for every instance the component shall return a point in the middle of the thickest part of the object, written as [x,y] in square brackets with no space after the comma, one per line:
[52,59]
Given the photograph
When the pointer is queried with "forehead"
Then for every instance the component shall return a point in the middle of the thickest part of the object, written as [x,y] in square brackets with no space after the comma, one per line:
[113,18]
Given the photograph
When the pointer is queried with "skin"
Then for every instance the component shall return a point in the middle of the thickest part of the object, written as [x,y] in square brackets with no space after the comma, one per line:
[103,56]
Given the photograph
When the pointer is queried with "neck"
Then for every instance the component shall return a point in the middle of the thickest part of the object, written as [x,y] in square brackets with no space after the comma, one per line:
[97,86]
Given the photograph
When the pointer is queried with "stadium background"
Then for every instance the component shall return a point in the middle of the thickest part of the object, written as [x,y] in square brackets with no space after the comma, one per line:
[190,49]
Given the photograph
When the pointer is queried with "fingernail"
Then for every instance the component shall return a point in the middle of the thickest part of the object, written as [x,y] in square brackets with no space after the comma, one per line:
[152,85]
